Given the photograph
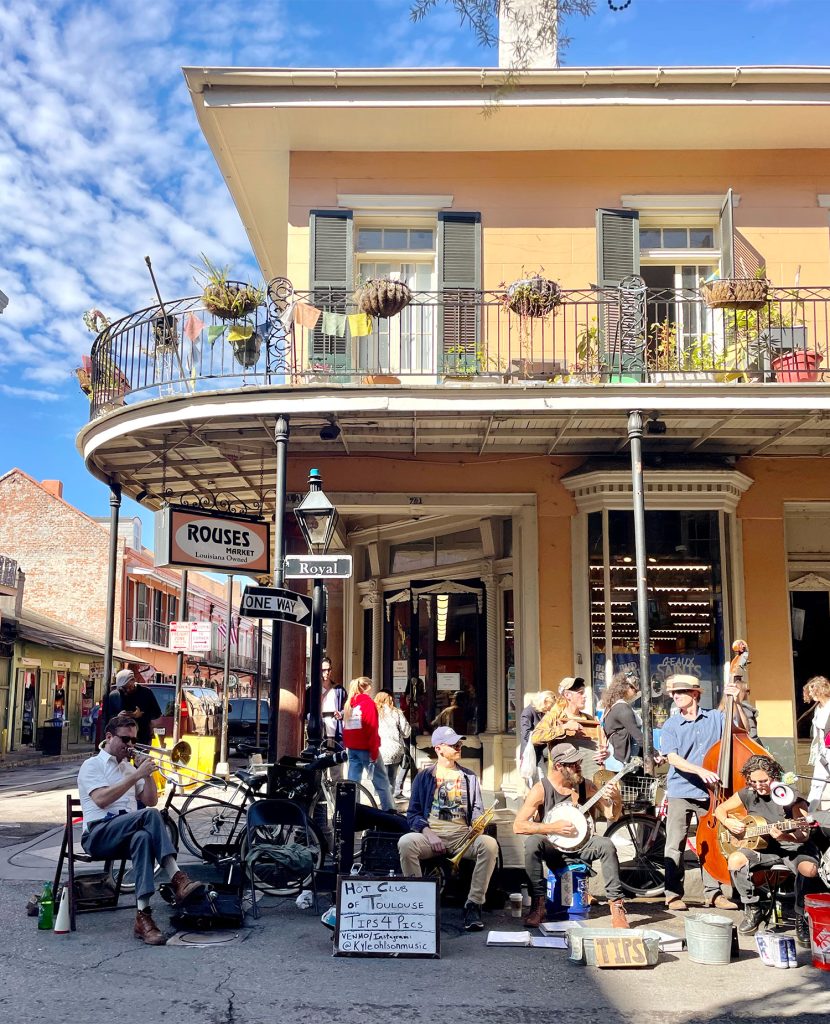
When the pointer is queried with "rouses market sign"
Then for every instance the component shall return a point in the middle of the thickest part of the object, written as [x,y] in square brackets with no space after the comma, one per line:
[193,539]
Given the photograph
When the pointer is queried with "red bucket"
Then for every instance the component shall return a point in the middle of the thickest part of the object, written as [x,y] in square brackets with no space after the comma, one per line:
[818,913]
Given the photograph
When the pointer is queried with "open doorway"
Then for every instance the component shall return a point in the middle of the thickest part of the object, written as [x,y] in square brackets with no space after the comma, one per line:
[810,616]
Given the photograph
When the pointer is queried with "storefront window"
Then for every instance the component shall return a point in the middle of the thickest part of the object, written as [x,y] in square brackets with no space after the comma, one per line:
[685,599]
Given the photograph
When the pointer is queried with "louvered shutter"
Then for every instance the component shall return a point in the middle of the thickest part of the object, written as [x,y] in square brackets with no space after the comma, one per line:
[618,257]
[332,284]
[727,238]
[459,281]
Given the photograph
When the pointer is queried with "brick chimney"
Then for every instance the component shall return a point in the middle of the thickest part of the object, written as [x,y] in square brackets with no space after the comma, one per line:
[53,487]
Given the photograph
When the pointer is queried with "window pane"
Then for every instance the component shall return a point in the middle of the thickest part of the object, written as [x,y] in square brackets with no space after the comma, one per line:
[417,554]
[701,238]
[420,238]
[369,238]
[675,238]
[459,547]
[649,238]
[395,238]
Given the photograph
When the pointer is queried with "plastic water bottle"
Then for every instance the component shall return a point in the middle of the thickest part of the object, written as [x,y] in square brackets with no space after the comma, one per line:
[46,911]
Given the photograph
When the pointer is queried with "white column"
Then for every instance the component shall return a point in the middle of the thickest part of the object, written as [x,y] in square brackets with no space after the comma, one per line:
[372,598]
[495,691]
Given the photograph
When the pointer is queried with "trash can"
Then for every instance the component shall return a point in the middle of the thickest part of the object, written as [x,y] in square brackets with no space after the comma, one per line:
[52,736]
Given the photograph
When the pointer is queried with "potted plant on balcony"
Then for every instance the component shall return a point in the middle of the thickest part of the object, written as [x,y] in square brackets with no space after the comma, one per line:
[695,363]
[112,384]
[773,339]
[226,299]
[736,292]
[382,297]
[246,344]
[533,295]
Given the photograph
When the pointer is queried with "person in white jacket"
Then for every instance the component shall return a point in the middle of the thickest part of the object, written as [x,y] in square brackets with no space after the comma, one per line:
[394,731]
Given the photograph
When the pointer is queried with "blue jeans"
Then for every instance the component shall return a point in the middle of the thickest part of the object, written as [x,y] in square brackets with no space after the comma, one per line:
[376,770]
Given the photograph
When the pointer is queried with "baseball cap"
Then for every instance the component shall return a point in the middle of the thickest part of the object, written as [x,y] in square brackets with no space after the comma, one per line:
[571,683]
[564,753]
[676,683]
[444,734]
[123,677]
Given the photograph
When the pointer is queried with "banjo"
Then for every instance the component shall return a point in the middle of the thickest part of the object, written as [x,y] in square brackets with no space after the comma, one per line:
[578,815]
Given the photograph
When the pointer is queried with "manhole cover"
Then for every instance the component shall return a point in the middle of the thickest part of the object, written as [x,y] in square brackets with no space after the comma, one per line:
[221,938]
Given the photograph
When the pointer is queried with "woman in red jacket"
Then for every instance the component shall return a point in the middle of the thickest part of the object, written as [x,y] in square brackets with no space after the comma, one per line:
[362,740]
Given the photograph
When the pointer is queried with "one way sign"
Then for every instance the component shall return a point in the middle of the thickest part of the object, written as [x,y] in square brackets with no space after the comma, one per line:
[274,603]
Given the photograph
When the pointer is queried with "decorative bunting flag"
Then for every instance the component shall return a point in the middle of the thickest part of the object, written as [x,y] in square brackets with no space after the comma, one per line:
[193,327]
[238,333]
[360,324]
[334,323]
[214,333]
[287,315]
[306,315]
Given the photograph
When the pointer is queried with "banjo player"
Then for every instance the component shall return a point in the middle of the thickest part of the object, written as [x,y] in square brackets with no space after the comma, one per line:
[565,784]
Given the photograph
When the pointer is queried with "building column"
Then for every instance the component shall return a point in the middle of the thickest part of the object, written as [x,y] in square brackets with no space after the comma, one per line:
[372,599]
[112,572]
[334,628]
[495,701]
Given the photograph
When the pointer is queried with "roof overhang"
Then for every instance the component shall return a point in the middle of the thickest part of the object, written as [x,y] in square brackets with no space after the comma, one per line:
[254,118]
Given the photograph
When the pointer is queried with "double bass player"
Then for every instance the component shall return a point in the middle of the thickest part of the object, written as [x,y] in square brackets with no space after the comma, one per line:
[685,740]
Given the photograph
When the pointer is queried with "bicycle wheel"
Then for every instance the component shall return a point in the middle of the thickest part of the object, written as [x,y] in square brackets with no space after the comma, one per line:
[128,881]
[269,878]
[640,842]
[209,826]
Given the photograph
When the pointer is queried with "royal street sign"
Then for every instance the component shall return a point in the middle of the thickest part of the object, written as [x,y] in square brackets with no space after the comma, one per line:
[276,603]
[309,567]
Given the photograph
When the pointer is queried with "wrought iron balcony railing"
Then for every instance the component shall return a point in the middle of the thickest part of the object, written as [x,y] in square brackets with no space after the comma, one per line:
[148,631]
[592,336]
[8,572]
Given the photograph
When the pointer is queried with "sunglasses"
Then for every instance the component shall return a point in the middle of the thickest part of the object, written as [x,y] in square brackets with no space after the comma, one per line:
[129,741]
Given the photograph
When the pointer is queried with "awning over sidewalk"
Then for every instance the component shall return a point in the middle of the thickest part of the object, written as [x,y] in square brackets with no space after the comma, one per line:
[49,633]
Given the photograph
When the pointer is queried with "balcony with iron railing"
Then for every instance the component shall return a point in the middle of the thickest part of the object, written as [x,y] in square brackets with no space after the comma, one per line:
[148,631]
[461,338]
[8,573]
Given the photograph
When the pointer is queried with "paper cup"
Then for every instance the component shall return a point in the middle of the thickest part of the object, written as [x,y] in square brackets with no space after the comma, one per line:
[516,904]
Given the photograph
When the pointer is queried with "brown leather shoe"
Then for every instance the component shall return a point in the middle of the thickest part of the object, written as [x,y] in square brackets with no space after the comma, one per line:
[537,914]
[675,905]
[185,889]
[619,918]
[721,903]
[146,929]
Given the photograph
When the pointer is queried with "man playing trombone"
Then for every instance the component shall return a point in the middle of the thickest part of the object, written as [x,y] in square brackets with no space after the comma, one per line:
[445,801]
[113,826]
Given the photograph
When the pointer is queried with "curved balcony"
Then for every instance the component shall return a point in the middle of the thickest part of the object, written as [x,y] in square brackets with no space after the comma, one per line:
[461,338]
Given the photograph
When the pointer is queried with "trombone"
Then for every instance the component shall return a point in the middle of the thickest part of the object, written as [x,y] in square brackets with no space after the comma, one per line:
[172,765]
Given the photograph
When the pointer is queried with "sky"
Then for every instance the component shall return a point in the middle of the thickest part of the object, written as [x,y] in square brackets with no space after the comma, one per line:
[102,161]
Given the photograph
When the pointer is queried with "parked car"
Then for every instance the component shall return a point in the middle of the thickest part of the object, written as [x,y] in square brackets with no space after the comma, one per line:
[201,709]
[242,721]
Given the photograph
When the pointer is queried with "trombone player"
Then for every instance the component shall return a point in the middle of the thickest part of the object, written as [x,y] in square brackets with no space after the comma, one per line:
[113,826]
[445,802]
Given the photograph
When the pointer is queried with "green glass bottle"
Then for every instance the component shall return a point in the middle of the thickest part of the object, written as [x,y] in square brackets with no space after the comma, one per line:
[46,913]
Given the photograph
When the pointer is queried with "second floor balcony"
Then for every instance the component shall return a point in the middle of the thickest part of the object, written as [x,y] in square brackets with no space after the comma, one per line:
[462,338]
[148,631]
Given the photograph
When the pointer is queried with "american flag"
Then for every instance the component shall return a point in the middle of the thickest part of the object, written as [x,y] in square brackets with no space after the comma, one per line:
[222,629]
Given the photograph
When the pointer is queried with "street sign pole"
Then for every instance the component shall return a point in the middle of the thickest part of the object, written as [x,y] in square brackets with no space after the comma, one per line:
[281,433]
[177,707]
[223,750]
[318,618]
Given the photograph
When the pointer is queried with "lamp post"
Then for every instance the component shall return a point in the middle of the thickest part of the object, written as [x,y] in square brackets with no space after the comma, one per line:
[317,518]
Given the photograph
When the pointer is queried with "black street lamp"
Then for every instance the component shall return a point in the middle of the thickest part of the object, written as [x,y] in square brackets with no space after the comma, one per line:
[317,518]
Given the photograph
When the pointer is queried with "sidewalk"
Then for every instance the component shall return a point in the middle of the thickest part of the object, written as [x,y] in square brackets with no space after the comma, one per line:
[33,758]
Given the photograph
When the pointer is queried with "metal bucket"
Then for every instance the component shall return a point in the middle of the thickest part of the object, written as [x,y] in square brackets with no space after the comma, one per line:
[709,938]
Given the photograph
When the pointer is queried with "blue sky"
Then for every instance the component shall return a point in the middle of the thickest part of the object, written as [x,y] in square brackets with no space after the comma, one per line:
[102,163]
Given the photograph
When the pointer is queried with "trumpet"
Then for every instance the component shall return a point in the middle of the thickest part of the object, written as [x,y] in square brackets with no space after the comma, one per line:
[475,830]
[172,765]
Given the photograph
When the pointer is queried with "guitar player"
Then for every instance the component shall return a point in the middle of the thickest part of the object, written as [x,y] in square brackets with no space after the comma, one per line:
[566,784]
[793,849]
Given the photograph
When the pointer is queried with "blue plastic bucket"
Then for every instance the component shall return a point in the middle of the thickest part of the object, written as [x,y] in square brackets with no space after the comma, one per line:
[567,891]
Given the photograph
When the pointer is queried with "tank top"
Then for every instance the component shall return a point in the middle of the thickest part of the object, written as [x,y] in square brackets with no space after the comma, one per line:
[552,797]
[767,809]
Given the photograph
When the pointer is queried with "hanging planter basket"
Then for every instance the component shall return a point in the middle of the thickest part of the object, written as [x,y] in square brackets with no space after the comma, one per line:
[247,350]
[379,297]
[533,296]
[736,293]
[231,300]
[165,334]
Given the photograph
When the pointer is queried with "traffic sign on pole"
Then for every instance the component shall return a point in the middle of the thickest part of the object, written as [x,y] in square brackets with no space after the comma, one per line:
[276,603]
[310,567]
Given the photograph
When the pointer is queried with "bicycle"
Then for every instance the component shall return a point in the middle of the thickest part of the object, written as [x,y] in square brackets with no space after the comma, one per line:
[639,837]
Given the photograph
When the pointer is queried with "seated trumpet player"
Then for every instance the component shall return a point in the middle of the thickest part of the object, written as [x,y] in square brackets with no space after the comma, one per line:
[752,845]
[443,809]
[113,826]
[565,785]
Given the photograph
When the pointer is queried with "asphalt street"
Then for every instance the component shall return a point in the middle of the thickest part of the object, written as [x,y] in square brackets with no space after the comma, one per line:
[281,968]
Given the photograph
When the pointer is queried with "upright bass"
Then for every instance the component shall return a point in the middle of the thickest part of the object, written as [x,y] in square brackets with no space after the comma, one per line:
[726,757]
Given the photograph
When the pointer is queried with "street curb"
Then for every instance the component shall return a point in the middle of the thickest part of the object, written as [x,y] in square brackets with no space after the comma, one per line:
[40,762]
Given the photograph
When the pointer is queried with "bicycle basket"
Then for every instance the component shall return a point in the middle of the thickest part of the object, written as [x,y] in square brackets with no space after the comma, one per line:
[293,782]
[641,789]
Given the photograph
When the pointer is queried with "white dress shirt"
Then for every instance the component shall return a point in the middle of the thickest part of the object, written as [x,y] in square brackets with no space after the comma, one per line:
[101,771]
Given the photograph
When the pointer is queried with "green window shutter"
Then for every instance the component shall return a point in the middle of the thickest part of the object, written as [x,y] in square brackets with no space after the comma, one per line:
[618,246]
[459,281]
[727,238]
[618,257]
[332,280]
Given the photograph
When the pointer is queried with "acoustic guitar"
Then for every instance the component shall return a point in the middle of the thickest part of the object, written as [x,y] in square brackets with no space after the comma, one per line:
[578,815]
[756,828]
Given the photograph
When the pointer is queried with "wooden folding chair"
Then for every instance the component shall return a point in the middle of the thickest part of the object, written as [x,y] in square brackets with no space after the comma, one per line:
[107,900]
